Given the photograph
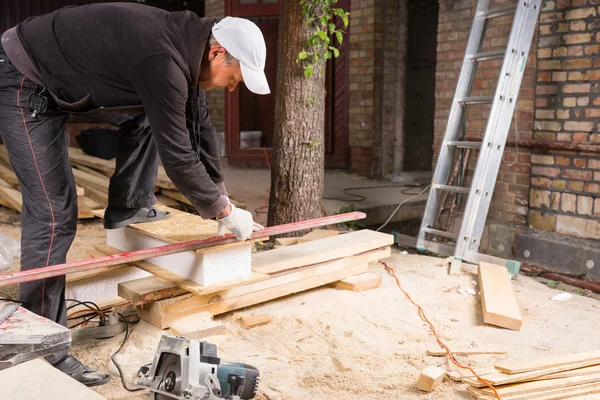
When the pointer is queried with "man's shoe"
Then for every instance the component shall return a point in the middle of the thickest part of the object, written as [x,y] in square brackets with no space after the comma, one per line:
[116,217]
[80,372]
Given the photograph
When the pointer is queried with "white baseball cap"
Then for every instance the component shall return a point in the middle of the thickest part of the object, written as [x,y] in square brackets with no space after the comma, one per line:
[244,41]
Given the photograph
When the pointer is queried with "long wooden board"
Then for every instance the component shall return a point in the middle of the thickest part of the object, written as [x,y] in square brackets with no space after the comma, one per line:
[180,281]
[498,299]
[11,195]
[501,378]
[90,181]
[459,375]
[538,386]
[548,362]
[326,249]
[192,301]
[9,176]
[573,392]
[464,352]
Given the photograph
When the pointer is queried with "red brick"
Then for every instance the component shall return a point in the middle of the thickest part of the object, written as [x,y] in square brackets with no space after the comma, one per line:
[571,226]
[545,171]
[576,38]
[559,76]
[592,113]
[577,88]
[584,205]
[577,174]
[576,186]
[597,207]
[580,137]
[593,75]
[594,163]
[559,184]
[592,50]
[542,182]
[538,220]
[578,126]
[542,159]
[580,63]
[568,202]
[576,76]
[579,162]
[592,188]
[562,160]
[580,13]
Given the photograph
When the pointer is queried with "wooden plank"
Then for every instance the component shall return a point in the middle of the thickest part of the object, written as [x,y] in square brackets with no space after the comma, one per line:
[498,300]
[176,195]
[190,301]
[91,203]
[11,195]
[36,379]
[317,234]
[464,352]
[460,374]
[163,313]
[359,283]
[92,171]
[548,362]
[501,378]
[180,281]
[252,321]
[83,210]
[167,201]
[147,290]
[89,181]
[8,175]
[538,386]
[327,249]
[101,196]
[573,392]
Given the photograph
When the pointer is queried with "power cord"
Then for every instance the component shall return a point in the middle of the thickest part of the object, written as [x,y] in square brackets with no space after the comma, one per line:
[127,332]
[442,344]
[359,197]
[400,205]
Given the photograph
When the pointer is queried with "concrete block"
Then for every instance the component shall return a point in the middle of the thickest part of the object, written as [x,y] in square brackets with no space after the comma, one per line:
[206,267]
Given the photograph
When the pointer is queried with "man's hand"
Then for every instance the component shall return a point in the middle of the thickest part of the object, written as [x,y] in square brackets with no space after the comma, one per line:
[239,222]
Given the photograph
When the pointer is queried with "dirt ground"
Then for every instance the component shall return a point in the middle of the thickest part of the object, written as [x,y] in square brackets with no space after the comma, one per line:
[328,344]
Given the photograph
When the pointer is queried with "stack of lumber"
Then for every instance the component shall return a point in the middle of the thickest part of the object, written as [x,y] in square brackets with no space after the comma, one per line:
[570,376]
[10,195]
[164,298]
[93,173]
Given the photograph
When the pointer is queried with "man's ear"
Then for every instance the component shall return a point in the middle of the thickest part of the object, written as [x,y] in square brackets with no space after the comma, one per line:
[215,51]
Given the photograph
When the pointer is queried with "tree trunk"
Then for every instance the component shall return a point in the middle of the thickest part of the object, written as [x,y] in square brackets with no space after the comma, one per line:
[297,168]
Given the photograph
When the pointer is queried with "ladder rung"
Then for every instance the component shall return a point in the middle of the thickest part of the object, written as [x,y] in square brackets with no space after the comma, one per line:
[440,233]
[488,55]
[477,100]
[453,189]
[464,145]
[499,11]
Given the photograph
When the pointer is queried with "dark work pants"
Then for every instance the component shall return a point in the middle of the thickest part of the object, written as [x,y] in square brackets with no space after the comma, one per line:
[37,148]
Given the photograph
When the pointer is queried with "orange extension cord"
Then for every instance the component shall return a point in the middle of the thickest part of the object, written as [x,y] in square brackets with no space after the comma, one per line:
[448,352]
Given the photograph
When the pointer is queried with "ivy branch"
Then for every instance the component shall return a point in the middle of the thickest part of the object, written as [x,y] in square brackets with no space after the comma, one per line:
[320,15]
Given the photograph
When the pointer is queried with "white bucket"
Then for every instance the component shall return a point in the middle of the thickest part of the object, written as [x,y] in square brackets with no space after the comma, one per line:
[250,139]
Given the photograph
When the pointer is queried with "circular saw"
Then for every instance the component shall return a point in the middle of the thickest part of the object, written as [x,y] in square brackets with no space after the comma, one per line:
[188,369]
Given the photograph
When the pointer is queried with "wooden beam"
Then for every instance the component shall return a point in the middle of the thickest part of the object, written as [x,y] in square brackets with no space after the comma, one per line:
[323,250]
[101,196]
[539,386]
[498,299]
[317,234]
[579,392]
[90,181]
[8,175]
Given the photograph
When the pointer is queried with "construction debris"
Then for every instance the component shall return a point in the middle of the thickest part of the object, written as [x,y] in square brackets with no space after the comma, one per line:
[430,378]
[252,321]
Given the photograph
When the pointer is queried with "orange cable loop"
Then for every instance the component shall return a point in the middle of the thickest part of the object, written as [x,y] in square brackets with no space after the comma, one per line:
[448,352]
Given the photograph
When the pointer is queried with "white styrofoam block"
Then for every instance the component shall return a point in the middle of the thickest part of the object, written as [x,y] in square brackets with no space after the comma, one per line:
[103,288]
[206,268]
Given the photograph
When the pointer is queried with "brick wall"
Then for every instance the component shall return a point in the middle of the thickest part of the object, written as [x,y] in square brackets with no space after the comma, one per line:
[565,186]
[510,200]
[216,98]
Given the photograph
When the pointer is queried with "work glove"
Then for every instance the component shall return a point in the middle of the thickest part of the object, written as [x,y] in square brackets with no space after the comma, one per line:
[239,222]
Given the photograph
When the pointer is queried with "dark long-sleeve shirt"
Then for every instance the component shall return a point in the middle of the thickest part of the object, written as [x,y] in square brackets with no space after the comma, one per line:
[120,55]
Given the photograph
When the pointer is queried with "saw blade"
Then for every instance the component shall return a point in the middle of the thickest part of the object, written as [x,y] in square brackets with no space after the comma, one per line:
[170,373]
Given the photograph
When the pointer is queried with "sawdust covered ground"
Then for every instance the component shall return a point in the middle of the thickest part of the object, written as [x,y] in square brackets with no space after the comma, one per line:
[329,344]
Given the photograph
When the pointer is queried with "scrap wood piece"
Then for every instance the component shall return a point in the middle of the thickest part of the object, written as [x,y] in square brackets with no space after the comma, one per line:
[581,392]
[179,280]
[498,299]
[37,379]
[465,352]
[11,195]
[252,321]
[459,374]
[147,290]
[198,326]
[359,283]
[501,378]
[165,312]
[548,362]
[429,378]
[317,234]
[331,248]
[539,386]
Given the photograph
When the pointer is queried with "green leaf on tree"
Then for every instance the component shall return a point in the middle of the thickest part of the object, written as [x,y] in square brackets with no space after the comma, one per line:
[336,52]
[339,36]
[302,55]
[327,55]
[339,12]
[308,70]
[331,28]
[345,20]
[322,35]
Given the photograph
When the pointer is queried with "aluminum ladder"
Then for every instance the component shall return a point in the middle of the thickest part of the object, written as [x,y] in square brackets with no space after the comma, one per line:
[491,148]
